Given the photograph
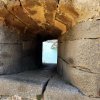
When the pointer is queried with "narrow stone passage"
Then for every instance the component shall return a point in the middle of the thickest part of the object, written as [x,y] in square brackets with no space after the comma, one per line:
[25,25]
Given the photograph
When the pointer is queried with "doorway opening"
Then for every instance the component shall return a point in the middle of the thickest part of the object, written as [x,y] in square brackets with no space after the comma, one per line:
[50,52]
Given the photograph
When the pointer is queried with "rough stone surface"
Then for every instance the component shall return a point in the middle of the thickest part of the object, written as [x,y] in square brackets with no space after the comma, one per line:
[10,58]
[29,51]
[17,54]
[15,97]
[61,26]
[48,19]
[41,13]
[9,35]
[10,50]
[37,15]
[87,83]
[80,53]
[61,38]
[27,85]
[61,49]
[60,66]
[66,13]
[87,9]
[57,89]
[84,53]
[88,29]
[84,10]
[50,11]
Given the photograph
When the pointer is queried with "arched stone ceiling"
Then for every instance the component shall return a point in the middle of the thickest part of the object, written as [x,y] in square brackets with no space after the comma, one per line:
[49,17]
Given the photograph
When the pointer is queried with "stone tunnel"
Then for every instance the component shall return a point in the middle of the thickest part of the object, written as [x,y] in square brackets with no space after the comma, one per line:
[25,24]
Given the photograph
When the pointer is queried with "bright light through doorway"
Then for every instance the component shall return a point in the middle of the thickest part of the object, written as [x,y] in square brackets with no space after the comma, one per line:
[49,51]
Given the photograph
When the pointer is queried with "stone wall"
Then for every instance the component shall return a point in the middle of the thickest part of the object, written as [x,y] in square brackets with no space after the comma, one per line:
[10,50]
[32,54]
[16,54]
[79,47]
[79,57]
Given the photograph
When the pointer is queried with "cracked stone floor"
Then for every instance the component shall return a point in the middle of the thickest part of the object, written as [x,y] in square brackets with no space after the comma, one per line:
[27,85]
[42,84]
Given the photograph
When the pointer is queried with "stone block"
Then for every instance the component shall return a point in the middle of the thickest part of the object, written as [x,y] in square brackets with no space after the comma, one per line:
[62,38]
[9,35]
[10,58]
[61,49]
[50,11]
[84,53]
[57,89]
[59,66]
[88,29]
[27,85]
[87,83]
[29,51]
[63,19]
[66,13]
[60,26]
[86,10]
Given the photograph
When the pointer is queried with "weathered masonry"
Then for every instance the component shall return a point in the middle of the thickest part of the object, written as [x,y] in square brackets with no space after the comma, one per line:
[25,24]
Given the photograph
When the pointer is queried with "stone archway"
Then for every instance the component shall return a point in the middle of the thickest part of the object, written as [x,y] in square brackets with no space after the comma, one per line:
[26,23]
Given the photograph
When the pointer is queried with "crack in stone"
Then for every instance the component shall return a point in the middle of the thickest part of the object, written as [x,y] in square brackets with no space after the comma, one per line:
[82,39]
[41,96]
[93,38]
[79,67]
[84,94]
[45,86]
